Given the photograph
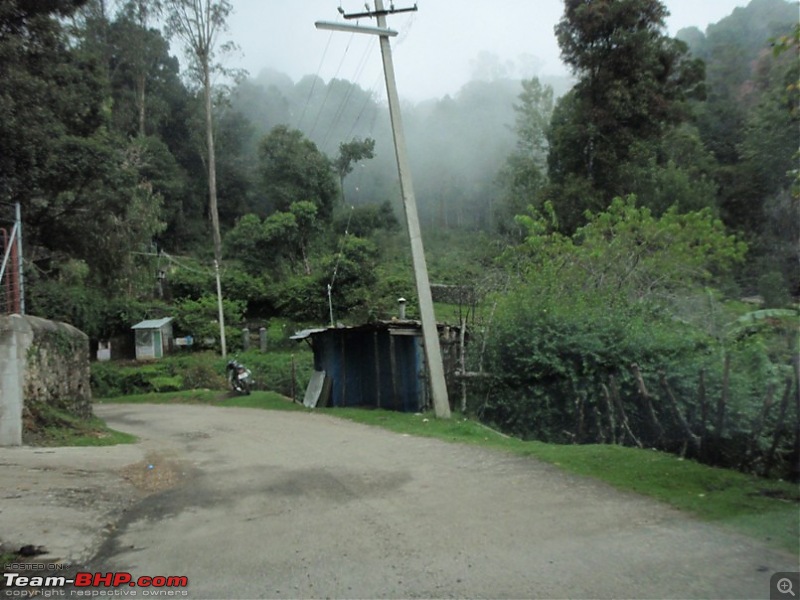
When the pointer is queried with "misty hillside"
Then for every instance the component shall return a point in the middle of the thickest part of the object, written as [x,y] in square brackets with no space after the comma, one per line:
[457,144]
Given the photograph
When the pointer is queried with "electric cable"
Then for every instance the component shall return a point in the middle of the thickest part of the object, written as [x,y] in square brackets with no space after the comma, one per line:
[346,99]
[328,88]
[338,259]
[314,83]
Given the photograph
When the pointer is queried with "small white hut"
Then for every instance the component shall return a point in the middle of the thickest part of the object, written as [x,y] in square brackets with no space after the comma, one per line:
[153,338]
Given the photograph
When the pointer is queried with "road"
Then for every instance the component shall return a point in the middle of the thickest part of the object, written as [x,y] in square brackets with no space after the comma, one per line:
[263,504]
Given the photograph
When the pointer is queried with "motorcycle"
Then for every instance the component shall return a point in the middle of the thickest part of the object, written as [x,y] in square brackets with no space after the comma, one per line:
[239,377]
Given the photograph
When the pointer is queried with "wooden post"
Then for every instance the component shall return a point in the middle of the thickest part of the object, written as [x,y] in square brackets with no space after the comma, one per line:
[344,372]
[294,373]
[612,382]
[580,401]
[377,359]
[463,362]
[779,427]
[393,360]
[648,404]
[701,397]
[612,425]
[677,413]
[722,403]
[758,425]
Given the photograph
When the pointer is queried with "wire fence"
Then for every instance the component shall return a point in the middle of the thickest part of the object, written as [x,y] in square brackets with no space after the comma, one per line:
[11,301]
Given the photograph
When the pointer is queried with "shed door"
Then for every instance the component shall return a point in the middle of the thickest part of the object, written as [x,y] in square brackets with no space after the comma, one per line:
[158,349]
[144,343]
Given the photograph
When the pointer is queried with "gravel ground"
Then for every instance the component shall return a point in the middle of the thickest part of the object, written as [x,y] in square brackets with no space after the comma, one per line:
[258,504]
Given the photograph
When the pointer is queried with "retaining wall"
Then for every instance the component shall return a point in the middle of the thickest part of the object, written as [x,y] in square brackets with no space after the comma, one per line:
[42,363]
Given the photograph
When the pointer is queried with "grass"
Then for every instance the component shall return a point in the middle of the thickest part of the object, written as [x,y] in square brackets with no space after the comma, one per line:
[763,509]
[54,427]
[264,400]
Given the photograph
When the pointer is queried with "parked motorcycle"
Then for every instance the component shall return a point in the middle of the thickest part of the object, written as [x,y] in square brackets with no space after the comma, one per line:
[239,377]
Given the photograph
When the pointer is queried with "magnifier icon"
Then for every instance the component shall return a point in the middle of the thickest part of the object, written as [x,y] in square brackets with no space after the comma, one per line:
[784,586]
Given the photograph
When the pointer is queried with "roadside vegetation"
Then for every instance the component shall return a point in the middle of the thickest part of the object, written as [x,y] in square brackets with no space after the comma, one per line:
[763,509]
[54,427]
[629,241]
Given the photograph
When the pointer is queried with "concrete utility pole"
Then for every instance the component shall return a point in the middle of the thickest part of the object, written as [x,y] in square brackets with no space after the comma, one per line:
[430,335]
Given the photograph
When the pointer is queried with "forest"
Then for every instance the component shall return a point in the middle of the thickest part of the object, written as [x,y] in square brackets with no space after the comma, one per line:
[630,237]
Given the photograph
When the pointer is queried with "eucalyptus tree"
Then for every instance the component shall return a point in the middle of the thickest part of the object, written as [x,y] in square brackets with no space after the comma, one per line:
[142,49]
[523,175]
[198,24]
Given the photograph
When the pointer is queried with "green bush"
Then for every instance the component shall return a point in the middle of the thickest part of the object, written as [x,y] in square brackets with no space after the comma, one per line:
[272,371]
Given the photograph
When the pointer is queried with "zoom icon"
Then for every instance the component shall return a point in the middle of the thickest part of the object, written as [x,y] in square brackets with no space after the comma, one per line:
[784,585]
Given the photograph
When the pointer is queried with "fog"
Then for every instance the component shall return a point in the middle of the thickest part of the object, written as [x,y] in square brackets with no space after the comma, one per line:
[439,48]
[458,68]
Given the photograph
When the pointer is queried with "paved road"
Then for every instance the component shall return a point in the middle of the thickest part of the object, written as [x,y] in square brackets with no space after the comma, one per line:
[257,504]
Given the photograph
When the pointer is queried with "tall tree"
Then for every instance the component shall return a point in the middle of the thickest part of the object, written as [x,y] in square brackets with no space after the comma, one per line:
[522,177]
[198,24]
[142,49]
[633,83]
[349,153]
[294,170]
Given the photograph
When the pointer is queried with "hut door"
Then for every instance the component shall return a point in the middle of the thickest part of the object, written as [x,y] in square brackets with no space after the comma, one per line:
[158,349]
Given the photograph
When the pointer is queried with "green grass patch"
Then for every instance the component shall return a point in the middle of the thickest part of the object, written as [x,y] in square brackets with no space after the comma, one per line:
[54,427]
[764,509]
[263,400]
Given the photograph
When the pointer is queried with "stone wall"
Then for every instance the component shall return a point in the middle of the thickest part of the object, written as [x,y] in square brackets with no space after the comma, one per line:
[42,363]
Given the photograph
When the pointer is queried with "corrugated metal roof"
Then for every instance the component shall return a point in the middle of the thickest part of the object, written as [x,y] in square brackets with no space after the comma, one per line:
[301,335]
[152,323]
[375,326]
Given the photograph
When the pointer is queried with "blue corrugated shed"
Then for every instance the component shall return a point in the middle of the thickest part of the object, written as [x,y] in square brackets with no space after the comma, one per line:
[378,365]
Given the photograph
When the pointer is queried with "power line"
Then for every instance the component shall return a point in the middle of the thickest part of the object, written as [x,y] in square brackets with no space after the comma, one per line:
[328,88]
[314,83]
[346,99]
[336,265]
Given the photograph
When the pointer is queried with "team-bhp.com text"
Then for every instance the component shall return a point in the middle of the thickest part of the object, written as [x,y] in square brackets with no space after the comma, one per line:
[95,584]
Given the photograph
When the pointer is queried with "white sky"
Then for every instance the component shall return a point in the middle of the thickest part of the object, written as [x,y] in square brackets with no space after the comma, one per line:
[437,46]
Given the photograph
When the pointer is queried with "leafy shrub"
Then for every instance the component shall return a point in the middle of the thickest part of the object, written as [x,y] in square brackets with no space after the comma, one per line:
[202,370]
[199,318]
[595,322]
[166,384]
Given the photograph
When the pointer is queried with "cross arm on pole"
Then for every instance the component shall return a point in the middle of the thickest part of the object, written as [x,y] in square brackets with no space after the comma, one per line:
[379,13]
[355,28]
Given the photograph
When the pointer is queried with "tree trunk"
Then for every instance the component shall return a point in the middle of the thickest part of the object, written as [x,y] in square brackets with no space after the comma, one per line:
[719,424]
[141,83]
[212,163]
